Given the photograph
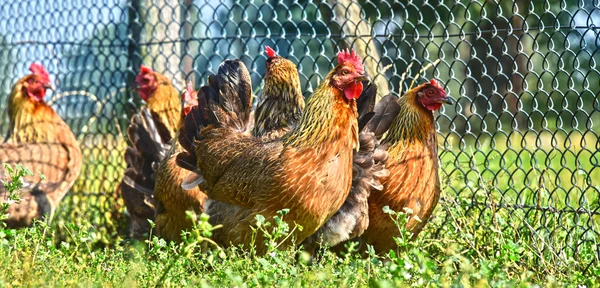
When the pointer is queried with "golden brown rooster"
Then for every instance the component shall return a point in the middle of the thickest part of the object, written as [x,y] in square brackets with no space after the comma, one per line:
[150,133]
[308,170]
[413,166]
[161,98]
[42,142]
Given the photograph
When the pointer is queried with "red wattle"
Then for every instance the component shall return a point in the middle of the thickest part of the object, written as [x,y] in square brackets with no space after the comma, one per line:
[353,90]
[433,107]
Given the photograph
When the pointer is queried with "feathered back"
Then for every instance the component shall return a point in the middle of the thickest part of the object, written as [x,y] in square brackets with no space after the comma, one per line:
[146,151]
[225,102]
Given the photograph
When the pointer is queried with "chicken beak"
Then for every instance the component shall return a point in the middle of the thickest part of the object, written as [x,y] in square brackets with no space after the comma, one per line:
[49,86]
[363,78]
[448,100]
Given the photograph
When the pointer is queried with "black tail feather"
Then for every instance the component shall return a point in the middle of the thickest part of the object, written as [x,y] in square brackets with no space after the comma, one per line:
[386,110]
[366,103]
[226,101]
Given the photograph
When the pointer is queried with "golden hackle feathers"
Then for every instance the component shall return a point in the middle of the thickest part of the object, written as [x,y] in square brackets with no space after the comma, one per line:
[42,142]
[281,103]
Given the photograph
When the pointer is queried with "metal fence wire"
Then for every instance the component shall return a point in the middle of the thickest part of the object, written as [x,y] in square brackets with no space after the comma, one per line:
[519,151]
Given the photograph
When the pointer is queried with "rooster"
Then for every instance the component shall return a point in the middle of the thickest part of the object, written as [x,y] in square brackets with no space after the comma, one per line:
[413,166]
[150,134]
[42,142]
[160,97]
[308,170]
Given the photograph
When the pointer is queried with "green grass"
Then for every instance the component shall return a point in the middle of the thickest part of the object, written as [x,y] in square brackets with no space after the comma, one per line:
[521,232]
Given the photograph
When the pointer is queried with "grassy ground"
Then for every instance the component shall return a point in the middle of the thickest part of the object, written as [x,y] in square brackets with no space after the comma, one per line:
[507,218]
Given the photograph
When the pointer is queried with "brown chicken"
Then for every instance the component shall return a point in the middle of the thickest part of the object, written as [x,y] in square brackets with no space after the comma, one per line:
[172,201]
[150,134]
[368,171]
[413,166]
[42,142]
[308,170]
[281,104]
[279,109]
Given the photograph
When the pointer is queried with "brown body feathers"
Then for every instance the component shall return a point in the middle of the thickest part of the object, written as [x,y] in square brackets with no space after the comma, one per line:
[150,147]
[413,165]
[42,142]
[307,171]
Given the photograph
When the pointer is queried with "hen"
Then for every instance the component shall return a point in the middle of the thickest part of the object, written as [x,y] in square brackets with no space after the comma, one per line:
[150,133]
[368,172]
[308,170]
[281,104]
[42,142]
[172,201]
[413,166]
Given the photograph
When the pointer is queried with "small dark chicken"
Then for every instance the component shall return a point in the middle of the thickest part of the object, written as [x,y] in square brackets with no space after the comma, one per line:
[308,170]
[413,165]
[280,107]
[150,134]
[42,142]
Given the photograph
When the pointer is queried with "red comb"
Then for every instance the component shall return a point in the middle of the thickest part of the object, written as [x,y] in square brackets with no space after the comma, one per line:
[270,52]
[145,69]
[435,83]
[39,70]
[188,96]
[346,56]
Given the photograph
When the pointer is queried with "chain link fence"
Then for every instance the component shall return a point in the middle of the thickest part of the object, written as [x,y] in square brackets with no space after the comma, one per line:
[519,151]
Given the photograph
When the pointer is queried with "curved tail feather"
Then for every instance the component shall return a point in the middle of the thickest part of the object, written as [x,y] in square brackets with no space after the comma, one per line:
[148,147]
[225,102]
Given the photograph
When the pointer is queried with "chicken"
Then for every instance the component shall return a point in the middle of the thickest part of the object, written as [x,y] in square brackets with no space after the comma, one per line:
[413,166]
[308,170]
[279,109]
[368,172]
[172,201]
[161,98]
[42,142]
[281,104]
[150,133]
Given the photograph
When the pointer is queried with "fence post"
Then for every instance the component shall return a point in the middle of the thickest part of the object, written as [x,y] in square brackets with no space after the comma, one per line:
[162,22]
[133,53]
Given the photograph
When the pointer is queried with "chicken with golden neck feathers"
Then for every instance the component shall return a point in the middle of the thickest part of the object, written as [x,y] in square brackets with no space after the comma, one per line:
[150,137]
[308,170]
[42,142]
[413,165]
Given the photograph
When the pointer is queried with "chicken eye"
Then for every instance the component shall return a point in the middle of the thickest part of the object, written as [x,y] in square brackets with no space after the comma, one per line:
[430,93]
[345,72]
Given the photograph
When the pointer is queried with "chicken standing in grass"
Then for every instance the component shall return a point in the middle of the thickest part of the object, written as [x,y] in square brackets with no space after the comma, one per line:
[368,172]
[413,165]
[147,150]
[42,142]
[172,201]
[308,170]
